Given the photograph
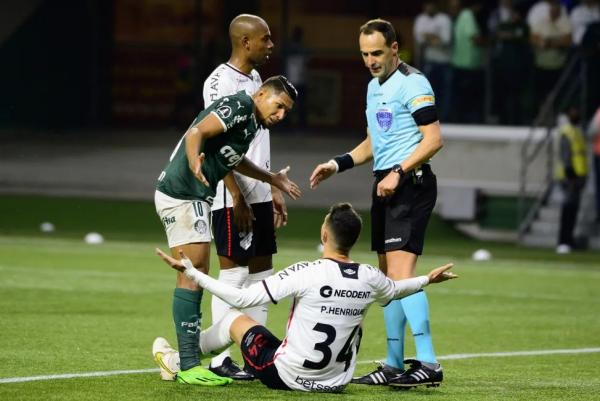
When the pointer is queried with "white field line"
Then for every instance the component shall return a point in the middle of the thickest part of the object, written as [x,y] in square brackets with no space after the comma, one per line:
[444,357]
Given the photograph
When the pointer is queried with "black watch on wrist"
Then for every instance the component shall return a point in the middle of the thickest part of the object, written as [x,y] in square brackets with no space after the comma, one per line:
[396,168]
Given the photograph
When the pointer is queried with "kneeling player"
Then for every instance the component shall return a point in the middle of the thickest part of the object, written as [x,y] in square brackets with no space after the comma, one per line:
[331,297]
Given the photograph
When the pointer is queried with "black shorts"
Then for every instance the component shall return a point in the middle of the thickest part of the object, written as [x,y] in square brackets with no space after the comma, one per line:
[398,222]
[229,241]
[258,350]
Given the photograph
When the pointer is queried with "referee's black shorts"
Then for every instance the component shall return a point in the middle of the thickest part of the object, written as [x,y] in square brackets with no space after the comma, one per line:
[238,246]
[398,222]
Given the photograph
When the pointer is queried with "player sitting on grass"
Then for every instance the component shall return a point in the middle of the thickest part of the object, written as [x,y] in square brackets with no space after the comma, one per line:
[331,297]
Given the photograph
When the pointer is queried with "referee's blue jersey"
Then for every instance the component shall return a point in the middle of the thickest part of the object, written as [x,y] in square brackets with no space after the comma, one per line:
[394,132]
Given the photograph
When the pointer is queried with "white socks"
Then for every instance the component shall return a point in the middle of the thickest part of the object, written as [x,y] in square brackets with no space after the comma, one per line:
[217,336]
[258,313]
[235,277]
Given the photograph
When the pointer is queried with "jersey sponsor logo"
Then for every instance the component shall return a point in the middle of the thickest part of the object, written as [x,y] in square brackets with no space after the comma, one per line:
[334,310]
[384,118]
[326,291]
[292,269]
[352,294]
[168,220]
[238,119]
[233,159]
[422,99]
[224,111]
[393,240]
[314,385]
[200,226]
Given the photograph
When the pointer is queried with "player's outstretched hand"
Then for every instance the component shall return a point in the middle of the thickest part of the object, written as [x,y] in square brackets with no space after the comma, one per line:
[281,181]
[196,167]
[179,265]
[322,172]
[441,274]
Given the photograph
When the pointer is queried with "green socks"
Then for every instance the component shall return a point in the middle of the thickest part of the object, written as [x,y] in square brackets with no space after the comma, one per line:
[187,316]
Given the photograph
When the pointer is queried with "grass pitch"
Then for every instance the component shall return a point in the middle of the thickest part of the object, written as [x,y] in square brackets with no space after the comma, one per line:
[70,308]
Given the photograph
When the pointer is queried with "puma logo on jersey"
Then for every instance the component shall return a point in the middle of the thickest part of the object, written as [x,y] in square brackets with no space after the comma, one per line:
[233,159]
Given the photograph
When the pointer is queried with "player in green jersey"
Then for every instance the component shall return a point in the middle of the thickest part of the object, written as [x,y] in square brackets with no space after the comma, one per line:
[214,145]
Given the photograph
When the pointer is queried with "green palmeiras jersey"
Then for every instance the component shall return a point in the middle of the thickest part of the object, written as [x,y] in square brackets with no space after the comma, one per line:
[222,152]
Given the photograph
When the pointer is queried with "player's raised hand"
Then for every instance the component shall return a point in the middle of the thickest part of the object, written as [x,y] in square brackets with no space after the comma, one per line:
[280,216]
[281,181]
[441,274]
[196,167]
[171,261]
[322,172]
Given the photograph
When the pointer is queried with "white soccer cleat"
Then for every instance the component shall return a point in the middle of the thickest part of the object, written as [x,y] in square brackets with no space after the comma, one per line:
[166,357]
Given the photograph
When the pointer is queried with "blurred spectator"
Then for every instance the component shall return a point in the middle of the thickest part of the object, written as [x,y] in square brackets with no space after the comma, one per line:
[594,132]
[572,169]
[499,15]
[539,11]
[583,15]
[551,39]
[467,63]
[433,36]
[510,59]
[296,71]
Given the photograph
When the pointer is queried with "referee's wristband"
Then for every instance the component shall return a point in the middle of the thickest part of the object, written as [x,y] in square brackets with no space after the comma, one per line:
[344,162]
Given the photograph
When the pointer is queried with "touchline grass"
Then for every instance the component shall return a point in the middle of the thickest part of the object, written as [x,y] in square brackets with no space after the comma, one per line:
[68,307]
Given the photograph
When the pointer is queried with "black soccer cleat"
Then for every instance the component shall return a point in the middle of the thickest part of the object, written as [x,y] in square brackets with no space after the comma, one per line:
[380,376]
[418,375]
[231,369]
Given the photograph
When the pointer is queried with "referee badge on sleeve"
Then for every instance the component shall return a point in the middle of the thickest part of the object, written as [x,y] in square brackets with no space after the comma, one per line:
[384,118]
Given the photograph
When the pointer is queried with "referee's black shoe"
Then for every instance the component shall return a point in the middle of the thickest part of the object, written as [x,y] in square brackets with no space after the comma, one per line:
[231,369]
[380,376]
[419,375]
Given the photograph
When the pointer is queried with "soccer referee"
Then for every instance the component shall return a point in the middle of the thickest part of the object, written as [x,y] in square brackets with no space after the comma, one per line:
[403,134]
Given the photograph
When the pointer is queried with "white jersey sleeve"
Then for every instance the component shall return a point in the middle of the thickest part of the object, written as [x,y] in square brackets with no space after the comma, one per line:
[237,297]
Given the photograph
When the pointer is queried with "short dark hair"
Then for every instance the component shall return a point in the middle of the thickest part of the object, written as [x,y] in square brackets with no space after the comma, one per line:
[345,225]
[279,83]
[382,26]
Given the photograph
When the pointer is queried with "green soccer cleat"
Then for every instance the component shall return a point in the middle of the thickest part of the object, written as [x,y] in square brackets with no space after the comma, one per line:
[202,377]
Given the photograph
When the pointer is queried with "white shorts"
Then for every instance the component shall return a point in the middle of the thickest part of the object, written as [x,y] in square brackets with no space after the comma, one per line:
[185,221]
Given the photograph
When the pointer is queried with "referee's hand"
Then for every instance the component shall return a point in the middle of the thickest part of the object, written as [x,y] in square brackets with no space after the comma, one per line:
[388,185]
[322,172]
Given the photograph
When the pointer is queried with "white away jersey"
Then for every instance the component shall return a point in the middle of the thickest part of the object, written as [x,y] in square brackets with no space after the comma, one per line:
[330,300]
[227,80]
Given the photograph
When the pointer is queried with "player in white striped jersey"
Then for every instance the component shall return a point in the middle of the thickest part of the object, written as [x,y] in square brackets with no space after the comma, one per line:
[243,218]
[331,297]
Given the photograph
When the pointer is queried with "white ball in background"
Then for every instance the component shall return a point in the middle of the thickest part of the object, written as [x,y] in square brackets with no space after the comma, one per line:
[93,238]
[482,255]
[320,248]
[47,227]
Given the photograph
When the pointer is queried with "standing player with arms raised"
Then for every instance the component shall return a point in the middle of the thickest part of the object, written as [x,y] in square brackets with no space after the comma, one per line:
[403,134]
[213,146]
[331,298]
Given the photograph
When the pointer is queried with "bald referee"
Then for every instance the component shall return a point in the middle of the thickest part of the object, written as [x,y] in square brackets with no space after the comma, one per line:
[403,134]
